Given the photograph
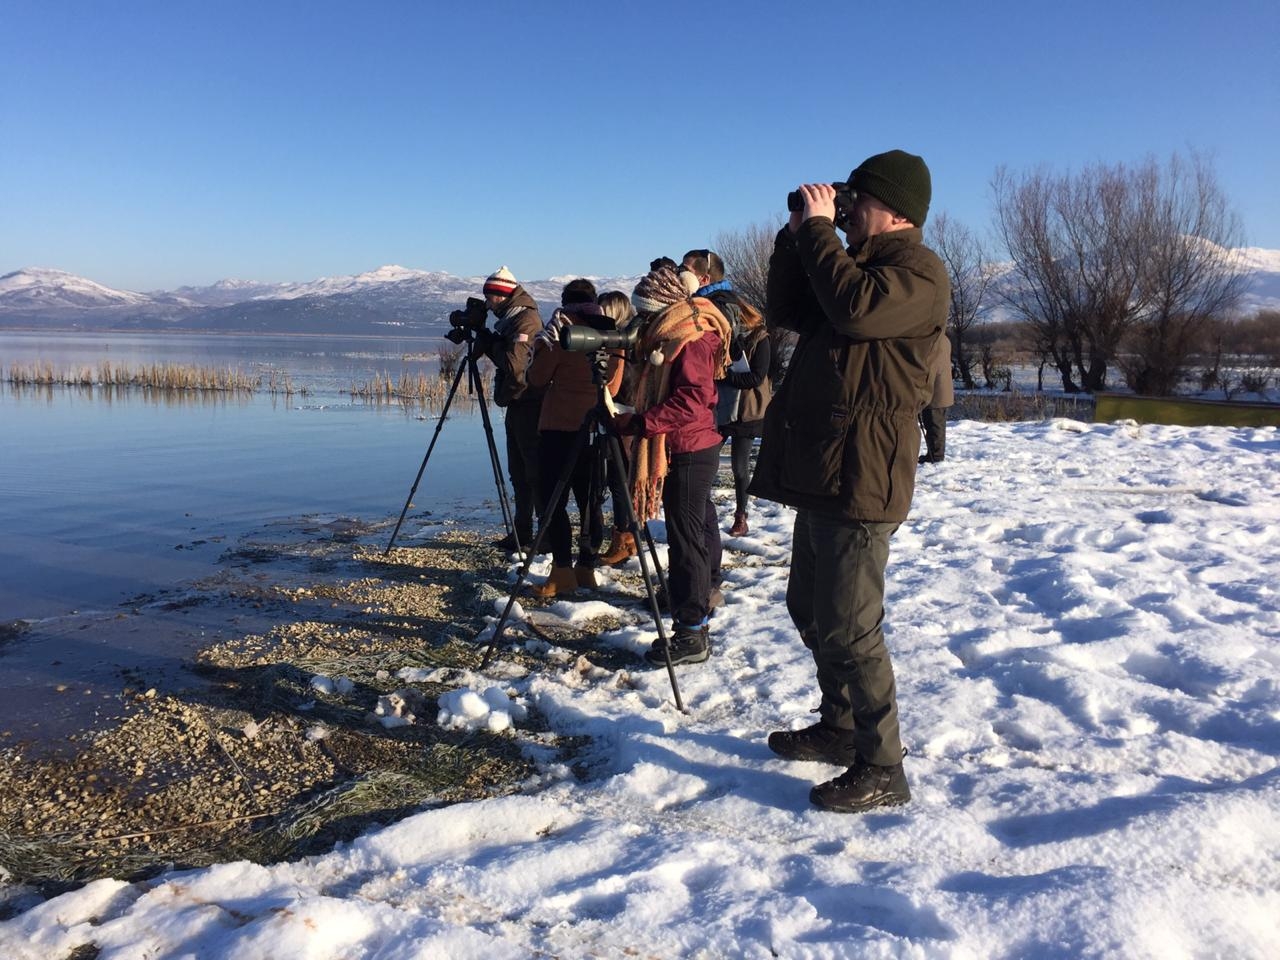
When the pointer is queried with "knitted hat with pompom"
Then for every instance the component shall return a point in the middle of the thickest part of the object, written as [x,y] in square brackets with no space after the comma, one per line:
[660,288]
[501,283]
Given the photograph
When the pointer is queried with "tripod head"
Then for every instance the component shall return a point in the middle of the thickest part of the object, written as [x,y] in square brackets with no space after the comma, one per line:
[600,367]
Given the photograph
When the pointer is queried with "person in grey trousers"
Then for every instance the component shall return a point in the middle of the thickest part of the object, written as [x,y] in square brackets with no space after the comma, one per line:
[841,438]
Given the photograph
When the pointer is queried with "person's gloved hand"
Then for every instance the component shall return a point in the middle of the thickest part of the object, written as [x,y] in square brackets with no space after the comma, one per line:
[485,339]
[627,424]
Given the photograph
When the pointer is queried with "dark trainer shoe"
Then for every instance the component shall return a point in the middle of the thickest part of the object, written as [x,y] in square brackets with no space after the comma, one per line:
[508,543]
[688,645]
[862,787]
[818,742]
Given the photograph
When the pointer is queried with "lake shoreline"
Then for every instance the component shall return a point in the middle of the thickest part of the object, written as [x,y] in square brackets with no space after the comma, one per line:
[220,759]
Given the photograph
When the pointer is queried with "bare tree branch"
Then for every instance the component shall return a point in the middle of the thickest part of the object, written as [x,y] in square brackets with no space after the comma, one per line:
[746,255]
[1118,265]
[967,264]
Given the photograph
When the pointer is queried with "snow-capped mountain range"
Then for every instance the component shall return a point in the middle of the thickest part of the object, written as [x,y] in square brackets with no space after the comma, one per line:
[390,299]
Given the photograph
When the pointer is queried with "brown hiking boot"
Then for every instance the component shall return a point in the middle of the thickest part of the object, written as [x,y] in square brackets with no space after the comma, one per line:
[622,547]
[562,582]
[586,576]
[739,528]
[818,742]
[862,787]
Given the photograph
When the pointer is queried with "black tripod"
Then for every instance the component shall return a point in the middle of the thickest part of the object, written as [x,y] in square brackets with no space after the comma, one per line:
[476,384]
[605,445]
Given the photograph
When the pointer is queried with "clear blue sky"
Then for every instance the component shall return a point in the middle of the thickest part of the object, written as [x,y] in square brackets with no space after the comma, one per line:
[148,145]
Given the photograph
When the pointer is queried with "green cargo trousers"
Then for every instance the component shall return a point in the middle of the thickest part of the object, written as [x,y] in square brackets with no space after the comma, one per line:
[835,596]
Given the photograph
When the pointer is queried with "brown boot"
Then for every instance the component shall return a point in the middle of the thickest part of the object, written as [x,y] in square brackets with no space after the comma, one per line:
[585,575]
[621,548]
[562,582]
[739,528]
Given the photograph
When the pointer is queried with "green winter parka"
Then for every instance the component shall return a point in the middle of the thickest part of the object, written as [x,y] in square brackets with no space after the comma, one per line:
[841,435]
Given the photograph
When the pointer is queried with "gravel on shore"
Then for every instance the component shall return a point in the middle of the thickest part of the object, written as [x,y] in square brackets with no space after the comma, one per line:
[265,760]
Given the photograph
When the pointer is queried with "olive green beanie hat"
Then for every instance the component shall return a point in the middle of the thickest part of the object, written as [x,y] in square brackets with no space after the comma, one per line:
[897,179]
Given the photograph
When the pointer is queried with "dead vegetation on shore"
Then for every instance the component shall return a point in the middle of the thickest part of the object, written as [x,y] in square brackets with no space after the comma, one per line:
[262,762]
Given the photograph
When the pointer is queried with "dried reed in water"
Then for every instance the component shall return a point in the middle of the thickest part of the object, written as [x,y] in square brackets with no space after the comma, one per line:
[410,386]
[154,376]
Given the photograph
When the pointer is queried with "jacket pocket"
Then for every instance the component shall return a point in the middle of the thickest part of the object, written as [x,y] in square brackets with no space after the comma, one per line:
[876,469]
[815,453]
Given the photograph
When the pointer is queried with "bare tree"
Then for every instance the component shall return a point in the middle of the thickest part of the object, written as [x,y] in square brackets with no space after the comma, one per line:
[1035,289]
[1073,277]
[967,264]
[1118,265]
[746,255]
[1190,271]
[1099,210]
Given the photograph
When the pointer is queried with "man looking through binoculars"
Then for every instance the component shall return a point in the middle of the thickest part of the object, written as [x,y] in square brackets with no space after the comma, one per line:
[840,445]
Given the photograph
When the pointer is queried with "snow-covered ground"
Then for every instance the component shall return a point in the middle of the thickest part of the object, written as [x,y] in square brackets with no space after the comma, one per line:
[1086,633]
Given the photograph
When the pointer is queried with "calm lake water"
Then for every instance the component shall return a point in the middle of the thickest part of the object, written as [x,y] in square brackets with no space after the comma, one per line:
[108,495]
[96,485]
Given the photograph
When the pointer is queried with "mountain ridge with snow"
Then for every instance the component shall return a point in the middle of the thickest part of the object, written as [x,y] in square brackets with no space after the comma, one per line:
[389,298]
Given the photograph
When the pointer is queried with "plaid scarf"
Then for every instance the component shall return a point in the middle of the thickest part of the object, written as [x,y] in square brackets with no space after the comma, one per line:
[679,325]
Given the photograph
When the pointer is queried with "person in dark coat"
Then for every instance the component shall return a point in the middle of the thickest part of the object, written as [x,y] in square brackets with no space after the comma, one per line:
[933,418]
[510,347]
[841,439]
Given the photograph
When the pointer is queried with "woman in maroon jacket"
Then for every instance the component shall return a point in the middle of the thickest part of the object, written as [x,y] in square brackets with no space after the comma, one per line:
[686,345]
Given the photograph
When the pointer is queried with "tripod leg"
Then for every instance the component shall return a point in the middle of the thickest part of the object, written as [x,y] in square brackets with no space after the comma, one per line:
[444,414]
[644,538]
[597,487]
[477,386]
[633,525]
[562,483]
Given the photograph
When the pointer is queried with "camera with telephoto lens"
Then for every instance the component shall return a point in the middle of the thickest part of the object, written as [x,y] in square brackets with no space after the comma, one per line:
[845,197]
[467,321]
